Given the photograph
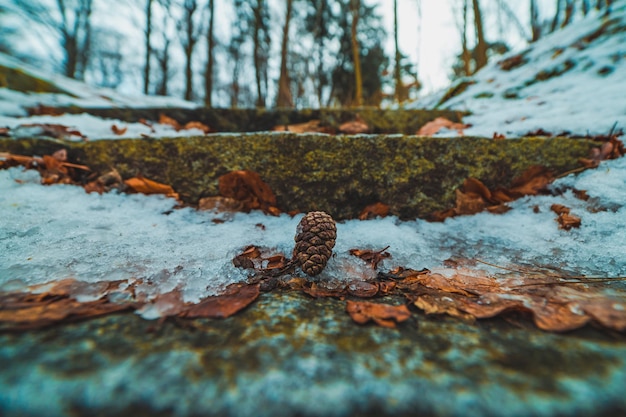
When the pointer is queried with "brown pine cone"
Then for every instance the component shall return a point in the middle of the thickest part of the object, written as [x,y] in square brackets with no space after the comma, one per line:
[315,239]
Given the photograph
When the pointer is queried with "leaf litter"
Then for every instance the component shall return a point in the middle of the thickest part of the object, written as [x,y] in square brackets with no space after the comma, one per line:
[556,302]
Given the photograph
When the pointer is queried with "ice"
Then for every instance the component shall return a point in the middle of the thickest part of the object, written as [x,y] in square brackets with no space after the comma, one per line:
[48,233]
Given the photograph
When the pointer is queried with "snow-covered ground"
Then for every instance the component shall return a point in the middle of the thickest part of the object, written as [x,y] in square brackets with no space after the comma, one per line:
[57,232]
[573,80]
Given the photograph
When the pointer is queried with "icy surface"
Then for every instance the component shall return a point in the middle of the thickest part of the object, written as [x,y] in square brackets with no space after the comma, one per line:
[587,97]
[48,233]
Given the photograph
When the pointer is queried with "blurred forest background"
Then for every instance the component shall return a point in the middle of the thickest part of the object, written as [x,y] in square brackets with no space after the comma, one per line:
[266,53]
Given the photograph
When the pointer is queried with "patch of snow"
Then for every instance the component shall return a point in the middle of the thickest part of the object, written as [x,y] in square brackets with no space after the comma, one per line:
[48,233]
[587,97]
[79,93]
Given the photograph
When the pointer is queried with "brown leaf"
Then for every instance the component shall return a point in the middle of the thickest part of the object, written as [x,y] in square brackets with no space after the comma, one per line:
[4,132]
[148,124]
[354,127]
[118,130]
[146,186]
[111,180]
[310,126]
[532,181]
[248,188]
[322,290]
[441,305]
[434,126]
[384,315]
[374,210]
[220,204]
[371,257]
[567,221]
[362,289]
[166,120]
[236,298]
[198,125]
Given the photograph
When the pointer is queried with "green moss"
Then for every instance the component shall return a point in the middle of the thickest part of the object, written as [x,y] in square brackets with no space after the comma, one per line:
[338,174]
[16,79]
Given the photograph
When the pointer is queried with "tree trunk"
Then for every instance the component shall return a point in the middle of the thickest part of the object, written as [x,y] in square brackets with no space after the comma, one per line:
[260,99]
[321,5]
[284,98]
[164,64]
[466,56]
[358,95]
[557,15]
[397,74]
[71,55]
[569,12]
[148,32]
[208,76]
[481,45]
[535,25]
[585,7]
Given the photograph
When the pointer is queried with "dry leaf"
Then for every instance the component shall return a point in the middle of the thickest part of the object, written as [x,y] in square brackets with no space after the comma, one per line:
[374,210]
[248,188]
[310,126]
[197,125]
[146,186]
[166,120]
[119,130]
[371,257]
[354,127]
[236,298]
[434,126]
[362,289]
[382,314]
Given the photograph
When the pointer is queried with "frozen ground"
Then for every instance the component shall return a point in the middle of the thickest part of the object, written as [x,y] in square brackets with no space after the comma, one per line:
[55,232]
[570,81]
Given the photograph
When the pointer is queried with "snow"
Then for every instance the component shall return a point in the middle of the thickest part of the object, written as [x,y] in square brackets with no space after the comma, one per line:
[49,233]
[588,98]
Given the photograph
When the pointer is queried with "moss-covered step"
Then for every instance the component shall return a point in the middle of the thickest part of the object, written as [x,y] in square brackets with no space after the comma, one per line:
[253,120]
[292,355]
[414,175]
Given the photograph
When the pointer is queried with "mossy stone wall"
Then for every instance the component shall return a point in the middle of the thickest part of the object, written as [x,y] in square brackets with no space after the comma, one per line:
[337,174]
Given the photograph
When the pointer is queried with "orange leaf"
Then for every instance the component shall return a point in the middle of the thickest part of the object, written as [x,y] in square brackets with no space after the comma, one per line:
[249,188]
[146,186]
[434,126]
[197,125]
[166,120]
[119,130]
[374,210]
[236,298]
[384,315]
[354,127]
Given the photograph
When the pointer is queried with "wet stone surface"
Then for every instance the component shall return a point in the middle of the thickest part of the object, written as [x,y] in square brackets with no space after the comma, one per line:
[289,354]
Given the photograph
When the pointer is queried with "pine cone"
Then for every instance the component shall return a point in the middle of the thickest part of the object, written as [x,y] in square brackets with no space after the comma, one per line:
[315,239]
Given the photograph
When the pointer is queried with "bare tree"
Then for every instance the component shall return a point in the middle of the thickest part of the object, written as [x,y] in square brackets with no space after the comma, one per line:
[261,46]
[284,97]
[210,41]
[355,7]
[535,24]
[73,27]
[400,91]
[148,46]
[481,44]
[190,35]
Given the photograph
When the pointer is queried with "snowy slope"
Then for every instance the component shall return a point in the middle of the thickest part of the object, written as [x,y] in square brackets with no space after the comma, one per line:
[79,94]
[573,80]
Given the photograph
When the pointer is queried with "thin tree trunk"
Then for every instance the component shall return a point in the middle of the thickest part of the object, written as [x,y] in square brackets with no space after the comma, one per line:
[208,76]
[397,75]
[260,99]
[148,32]
[569,12]
[358,94]
[285,98]
[320,6]
[535,26]
[465,54]
[557,15]
[481,45]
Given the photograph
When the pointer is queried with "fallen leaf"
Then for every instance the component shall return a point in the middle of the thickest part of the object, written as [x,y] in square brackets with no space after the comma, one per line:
[313,126]
[236,298]
[197,125]
[371,257]
[362,289]
[118,130]
[248,188]
[145,186]
[328,289]
[4,131]
[220,204]
[384,315]
[43,110]
[56,131]
[166,120]
[434,126]
[354,127]
[374,210]
[512,62]
[111,180]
